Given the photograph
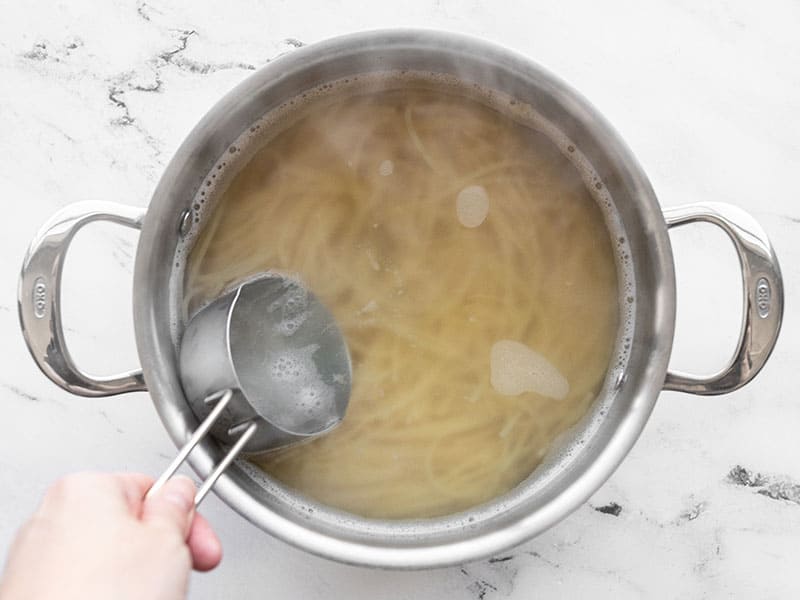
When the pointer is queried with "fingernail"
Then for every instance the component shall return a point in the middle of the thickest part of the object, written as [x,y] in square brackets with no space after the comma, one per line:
[180,491]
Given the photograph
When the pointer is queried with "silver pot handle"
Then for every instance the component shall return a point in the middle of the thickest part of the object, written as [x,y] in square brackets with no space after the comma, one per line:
[39,298]
[763,297]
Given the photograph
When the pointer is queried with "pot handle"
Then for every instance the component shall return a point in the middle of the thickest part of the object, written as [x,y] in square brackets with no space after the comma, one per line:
[39,298]
[763,297]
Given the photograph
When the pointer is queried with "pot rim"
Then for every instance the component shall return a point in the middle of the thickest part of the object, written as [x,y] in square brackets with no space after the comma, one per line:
[157,355]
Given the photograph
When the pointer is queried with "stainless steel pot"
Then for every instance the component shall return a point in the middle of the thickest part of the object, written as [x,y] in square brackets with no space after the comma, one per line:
[601,441]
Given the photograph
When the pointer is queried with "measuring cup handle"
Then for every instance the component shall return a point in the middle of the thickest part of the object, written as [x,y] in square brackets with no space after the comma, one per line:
[39,298]
[222,399]
[763,297]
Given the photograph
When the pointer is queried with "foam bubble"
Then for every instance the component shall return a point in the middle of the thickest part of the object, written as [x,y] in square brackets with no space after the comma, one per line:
[288,326]
[293,307]
[386,168]
[288,367]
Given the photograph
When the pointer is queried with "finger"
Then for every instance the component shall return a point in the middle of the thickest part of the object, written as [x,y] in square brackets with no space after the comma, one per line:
[172,506]
[204,545]
[134,486]
[84,493]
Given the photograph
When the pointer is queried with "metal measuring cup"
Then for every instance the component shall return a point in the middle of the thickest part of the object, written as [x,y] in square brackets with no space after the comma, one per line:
[263,366]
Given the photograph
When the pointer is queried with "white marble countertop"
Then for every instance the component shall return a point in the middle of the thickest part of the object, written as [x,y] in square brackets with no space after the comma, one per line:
[96,96]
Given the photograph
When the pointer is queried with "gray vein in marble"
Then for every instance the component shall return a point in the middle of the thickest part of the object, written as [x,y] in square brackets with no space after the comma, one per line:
[20,393]
[73,44]
[183,42]
[41,52]
[126,245]
[695,511]
[122,252]
[155,86]
[498,559]
[58,130]
[204,68]
[110,422]
[135,80]
[771,486]
[639,592]
[492,577]
[177,59]
[115,94]
[28,397]
[612,508]
[704,565]
[37,52]
[143,9]
[117,85]
[174,57]
[546,561]
[479,587]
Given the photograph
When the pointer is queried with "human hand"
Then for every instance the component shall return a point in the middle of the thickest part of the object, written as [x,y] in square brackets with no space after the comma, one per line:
[95,537]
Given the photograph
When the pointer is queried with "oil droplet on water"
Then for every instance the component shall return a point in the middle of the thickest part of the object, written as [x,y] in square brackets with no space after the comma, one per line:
[386,168]
[516,368]
[472,205]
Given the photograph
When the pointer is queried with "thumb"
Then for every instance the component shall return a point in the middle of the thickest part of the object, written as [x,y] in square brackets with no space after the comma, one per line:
[171,507]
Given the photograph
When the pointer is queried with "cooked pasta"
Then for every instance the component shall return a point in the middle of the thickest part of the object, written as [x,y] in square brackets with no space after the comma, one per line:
[470,270]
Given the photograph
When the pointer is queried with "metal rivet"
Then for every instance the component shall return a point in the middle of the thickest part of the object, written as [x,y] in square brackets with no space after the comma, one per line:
[621,379]
[185,223]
